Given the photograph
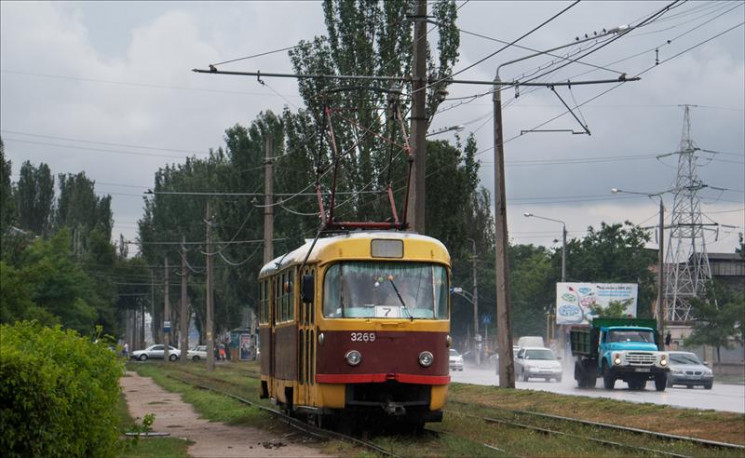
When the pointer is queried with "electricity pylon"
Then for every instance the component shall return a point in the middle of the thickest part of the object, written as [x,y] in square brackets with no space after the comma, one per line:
[687,269]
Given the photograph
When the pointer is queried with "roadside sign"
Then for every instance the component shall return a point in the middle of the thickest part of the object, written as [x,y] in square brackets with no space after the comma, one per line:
[166,326]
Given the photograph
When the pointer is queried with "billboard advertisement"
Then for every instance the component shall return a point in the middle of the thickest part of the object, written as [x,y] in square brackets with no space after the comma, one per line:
[575,301]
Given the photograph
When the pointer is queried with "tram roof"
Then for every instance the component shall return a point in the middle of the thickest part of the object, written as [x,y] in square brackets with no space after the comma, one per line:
[298,255]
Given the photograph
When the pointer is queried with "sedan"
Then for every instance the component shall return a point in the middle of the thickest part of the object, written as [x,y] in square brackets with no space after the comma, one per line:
[456,360]
[535,362]
[156,352]
[197,353]
[686,369]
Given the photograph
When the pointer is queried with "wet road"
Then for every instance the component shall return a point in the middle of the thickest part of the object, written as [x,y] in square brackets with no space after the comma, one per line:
[722,397]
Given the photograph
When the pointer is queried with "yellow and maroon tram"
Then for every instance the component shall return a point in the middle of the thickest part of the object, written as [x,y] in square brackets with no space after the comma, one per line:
[358,324]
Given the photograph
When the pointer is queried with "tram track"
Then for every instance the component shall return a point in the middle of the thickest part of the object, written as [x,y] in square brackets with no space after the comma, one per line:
[306,428]
[662,438]
[615,439]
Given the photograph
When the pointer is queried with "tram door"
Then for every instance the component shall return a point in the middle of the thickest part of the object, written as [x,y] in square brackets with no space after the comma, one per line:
[306,345]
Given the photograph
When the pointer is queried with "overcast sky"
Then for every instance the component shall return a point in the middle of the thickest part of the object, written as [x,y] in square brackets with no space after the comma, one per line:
[107,88]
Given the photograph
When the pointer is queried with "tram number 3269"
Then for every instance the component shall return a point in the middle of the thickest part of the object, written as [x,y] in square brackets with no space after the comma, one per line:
[363,337]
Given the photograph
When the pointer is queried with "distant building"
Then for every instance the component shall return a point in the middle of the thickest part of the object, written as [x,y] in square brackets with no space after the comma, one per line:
[728,268]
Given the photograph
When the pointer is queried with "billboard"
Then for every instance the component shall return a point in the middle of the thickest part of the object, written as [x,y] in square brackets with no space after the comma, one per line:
[574,301]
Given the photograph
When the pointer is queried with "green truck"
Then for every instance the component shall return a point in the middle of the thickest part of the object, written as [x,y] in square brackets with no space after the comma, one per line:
[625,349]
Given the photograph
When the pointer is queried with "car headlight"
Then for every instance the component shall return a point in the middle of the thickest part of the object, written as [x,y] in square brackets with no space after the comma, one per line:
[663,360]
[617,359]
[353,357]
[426,359]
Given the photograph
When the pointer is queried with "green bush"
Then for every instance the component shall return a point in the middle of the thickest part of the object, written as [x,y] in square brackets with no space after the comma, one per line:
[58,393]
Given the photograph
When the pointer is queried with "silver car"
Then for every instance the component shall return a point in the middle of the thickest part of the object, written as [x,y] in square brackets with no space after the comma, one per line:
[156,352]
[536,362]
[197,353]
[686,369]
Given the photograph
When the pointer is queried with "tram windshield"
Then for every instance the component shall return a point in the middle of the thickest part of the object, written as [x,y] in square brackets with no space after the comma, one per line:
[365,289]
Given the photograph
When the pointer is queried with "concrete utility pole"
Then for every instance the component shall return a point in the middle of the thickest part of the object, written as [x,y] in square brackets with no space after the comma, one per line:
[268,198]
[184,306]
[154,327]
[417,197]
[660,315]
[504,330]
[209,306]
[166,316]
[477,336]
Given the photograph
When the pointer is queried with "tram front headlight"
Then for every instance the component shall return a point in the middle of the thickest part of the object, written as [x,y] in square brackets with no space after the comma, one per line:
[353,357]
[448,341]
[426,359]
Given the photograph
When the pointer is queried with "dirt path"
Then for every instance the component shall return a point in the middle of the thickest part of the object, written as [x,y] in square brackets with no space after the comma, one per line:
[211,439]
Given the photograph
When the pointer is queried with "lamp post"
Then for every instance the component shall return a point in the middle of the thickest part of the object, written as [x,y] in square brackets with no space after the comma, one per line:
[474,300]
[659,312]
[563,242]
[562,335]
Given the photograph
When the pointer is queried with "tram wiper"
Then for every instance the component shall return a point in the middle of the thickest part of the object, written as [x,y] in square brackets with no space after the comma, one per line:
[390,279]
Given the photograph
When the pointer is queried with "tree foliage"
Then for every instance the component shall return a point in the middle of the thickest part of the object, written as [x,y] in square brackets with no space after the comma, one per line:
[720,316]
[58,393]
[35,198]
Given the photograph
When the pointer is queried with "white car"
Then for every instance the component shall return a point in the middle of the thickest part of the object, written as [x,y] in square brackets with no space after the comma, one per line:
[456,360]
[537,362]
[197,353]
[156,352]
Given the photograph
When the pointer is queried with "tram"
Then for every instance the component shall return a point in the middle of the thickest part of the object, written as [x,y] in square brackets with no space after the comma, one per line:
[356,325]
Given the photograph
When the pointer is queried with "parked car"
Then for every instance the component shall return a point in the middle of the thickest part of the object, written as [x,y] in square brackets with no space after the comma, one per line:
[197,353]
[537,362]
[456,360]
[156,352]
[686,369]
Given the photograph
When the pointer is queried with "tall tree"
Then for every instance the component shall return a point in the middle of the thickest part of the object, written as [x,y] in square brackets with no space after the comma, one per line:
[80,210]
[369,38]
[35,198]
[7,204]
[613,253]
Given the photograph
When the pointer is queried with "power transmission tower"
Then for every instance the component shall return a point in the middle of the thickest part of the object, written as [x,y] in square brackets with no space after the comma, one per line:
[687,270]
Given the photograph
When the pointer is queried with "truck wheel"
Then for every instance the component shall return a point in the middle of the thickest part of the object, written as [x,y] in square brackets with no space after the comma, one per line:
[660,382]
[609,381]
[590,381]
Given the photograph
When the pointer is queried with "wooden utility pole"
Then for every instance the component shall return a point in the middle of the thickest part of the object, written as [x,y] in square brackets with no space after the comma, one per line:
[417,189]
[184,344]
[166,316]
[504,330]
[268,198]
[209,305]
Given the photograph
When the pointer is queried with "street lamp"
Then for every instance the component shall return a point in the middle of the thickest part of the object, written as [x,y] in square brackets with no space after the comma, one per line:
[659,309]
[563,242]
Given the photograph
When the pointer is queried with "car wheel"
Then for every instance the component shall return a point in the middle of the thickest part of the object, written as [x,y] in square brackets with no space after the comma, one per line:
[708,386]
[558,379]
[195,358]
[690,387]
[143,358]
[172,357]
[525,376]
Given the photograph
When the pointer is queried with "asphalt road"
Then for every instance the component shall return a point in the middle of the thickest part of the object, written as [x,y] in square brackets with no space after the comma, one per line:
[722,397]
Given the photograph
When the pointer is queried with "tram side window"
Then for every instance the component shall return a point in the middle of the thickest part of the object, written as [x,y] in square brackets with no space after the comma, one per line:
[284,294]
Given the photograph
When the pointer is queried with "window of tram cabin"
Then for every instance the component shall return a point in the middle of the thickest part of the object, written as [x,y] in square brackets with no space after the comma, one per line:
[284,296]
[365,289]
